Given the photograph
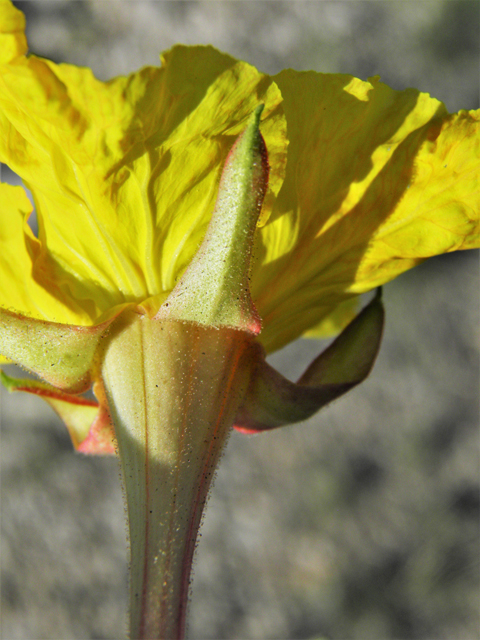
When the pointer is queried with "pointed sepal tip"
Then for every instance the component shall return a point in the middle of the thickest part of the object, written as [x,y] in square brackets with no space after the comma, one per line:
[215,291]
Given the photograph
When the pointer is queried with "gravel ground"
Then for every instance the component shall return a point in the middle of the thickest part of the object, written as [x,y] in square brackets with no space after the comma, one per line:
[362,523]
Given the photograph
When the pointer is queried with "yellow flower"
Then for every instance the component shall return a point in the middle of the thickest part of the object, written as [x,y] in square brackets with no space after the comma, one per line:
[130,177]
[365,183]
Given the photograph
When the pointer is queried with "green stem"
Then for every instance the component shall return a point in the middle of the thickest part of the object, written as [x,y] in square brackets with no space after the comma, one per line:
[173,390]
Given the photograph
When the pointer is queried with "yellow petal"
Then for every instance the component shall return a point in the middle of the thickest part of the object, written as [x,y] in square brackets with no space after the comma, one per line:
[377,181]
[19,292]
[342,315]
[12,37]
[439,211]
[124,174]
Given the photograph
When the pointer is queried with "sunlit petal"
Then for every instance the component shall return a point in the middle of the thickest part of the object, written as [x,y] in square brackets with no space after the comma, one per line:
[377,180]
[124,174]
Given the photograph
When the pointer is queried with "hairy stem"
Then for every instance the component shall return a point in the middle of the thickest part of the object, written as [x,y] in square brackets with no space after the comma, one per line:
[173,390]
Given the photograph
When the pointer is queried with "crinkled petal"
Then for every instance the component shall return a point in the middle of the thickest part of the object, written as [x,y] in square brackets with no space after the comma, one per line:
[13,43]
[39,298]
[377,180]
[124,174]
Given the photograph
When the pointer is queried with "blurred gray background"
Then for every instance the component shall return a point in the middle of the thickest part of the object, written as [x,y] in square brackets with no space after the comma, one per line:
[362,523]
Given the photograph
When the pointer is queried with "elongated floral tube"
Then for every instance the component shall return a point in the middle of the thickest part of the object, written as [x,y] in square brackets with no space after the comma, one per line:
[173,389]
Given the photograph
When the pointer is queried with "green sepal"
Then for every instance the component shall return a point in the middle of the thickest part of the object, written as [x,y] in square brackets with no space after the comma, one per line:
[87,422]
[214,290]
[61,354]
[273,401]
